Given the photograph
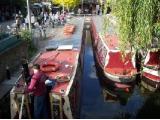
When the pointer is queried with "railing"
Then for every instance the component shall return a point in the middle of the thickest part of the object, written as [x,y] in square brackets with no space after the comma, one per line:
[8,43]
[3,35]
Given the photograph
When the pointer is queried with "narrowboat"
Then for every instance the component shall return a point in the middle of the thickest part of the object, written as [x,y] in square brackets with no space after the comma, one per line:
[119,71]
[62,62]
[151,71]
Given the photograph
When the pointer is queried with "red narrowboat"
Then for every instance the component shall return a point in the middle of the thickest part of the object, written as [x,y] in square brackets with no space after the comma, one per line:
[151,71]
[118,71]
[63,66]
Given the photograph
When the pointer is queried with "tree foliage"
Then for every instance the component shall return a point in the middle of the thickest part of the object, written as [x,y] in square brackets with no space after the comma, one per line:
[136,19]
[67,3]
[26,36]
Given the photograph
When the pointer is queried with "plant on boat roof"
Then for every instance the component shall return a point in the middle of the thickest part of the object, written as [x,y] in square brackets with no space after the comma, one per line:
[135,22]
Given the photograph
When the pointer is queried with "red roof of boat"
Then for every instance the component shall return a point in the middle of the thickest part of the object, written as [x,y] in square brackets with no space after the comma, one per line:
[154,59]
[116,61]
[119,66]
[66,59]
[111,41]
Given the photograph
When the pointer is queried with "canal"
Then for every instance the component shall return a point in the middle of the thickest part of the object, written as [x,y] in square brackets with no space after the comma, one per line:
[98,101]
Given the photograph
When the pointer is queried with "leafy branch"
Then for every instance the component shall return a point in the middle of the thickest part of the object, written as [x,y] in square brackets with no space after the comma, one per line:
[136,22]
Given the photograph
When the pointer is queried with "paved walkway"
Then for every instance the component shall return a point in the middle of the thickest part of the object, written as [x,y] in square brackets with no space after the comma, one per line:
[7,85]
[4,25]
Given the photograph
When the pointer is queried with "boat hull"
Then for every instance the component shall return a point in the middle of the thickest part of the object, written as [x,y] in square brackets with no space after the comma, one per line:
[118,79]
[150,84]
[151,71]
[67,106]
[151,81]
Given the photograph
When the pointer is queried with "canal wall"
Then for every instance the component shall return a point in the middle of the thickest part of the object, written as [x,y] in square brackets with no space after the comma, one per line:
[11,58]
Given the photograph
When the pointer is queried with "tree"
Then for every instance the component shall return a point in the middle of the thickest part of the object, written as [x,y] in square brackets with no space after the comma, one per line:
[136,19]
[67,3]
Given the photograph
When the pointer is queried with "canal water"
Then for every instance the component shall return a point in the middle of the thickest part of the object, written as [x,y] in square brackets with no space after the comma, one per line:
[94,101]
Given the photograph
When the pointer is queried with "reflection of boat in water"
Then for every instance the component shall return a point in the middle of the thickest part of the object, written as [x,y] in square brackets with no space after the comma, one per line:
[112,94]
[109,95]
[120,72]
[63,65]
[151,71]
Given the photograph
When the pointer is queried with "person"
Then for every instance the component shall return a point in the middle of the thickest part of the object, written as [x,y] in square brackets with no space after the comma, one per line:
[37,86]
[33,20]
[79,11]
[45,17]
[17,22]
[25,71]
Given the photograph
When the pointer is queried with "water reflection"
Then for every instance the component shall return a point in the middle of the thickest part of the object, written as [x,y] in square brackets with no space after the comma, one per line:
[111,95]
[129,102]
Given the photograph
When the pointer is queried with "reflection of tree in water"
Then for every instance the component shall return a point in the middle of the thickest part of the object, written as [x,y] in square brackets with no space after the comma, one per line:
[151,108]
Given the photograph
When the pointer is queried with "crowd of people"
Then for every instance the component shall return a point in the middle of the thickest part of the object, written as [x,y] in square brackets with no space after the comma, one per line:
[42,19]
[50,17]
[43,16]
[7,12]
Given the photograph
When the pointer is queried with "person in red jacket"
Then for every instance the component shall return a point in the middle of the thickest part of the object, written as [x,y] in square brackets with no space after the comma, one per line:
[37,86]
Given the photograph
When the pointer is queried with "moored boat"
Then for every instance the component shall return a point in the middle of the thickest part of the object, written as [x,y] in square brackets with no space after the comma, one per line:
[120,72]
[63,66]
[151,71]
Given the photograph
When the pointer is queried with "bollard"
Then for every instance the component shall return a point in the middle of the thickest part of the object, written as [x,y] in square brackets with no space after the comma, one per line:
[8,74]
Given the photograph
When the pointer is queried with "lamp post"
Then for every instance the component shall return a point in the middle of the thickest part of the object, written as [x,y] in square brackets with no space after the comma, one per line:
[63,7]
[29,16]
[82,6]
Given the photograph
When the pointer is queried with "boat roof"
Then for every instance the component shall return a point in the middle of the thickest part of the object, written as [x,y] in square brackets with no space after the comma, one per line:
[68,50]
[67,61]
[110,36]
[75,39]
